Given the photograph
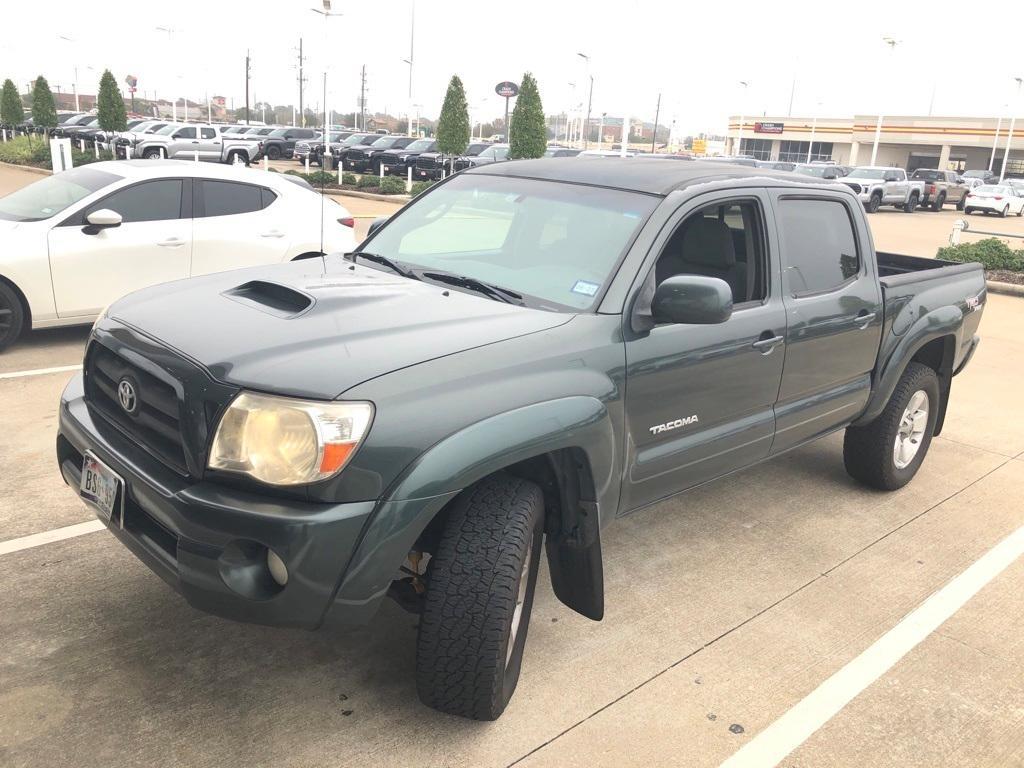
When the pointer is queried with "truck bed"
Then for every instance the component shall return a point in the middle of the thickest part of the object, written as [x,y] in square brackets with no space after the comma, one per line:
[897,269]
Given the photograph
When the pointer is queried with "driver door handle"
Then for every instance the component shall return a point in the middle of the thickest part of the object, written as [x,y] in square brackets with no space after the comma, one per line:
[272,233]
[766,345]
[171,242]
[864,319]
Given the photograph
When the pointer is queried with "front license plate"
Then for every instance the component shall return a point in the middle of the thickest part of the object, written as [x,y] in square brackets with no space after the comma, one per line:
[101,488]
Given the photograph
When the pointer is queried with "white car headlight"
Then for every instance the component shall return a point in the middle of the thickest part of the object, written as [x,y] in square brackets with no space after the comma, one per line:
[286,441]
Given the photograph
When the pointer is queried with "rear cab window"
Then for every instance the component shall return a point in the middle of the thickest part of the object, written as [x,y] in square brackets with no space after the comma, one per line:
[819,247]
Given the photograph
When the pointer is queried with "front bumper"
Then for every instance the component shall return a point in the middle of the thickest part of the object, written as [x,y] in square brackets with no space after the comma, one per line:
[209,541]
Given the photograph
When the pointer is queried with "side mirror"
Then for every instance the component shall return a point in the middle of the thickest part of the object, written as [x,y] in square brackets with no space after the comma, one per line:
[692,299]
[104,218]
[377,224]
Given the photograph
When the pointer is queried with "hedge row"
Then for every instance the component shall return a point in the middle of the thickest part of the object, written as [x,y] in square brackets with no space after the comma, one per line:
[991,253]
[35,151]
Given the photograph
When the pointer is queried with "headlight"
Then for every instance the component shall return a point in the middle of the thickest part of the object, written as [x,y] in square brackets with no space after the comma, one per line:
[285,441]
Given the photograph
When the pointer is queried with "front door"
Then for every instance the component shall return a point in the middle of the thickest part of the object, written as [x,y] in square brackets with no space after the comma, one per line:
[700,398]
[153,244]
[184,143]
[834,315]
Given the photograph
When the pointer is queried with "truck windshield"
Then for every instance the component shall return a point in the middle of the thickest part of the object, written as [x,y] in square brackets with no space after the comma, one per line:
[556,244]
[420,145]
[48,197]
[867,173]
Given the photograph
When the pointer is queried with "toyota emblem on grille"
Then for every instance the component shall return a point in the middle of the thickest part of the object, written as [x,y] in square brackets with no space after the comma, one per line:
[127,396]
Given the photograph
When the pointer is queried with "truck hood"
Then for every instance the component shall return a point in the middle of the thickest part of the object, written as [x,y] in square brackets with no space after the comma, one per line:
[252,328]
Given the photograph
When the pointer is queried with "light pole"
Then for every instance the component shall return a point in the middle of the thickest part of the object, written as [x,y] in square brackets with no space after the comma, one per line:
[743,101]
[569,116]
[327,13]
[892,43]
[814,125]
[409,61]
[74,84]
[1009,135]
[590,102]
[995,141]
[600,131]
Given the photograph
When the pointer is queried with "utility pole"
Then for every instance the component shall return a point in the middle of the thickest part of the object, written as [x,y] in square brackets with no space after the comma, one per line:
[362,97]
[654,133]
[247,69]
[302,83]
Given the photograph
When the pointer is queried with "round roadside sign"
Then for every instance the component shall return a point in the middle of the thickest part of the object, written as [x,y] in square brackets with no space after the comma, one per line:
[507,90]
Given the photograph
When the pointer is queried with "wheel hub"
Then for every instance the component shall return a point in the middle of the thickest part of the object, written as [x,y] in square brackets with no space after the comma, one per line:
[911,430]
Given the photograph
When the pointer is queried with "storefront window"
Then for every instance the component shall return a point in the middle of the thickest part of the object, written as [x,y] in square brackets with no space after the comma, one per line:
[759,149]
[796,151]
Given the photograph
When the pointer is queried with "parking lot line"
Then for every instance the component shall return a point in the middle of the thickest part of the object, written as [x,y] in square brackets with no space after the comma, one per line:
[793,728]
[48,537]
[40,371]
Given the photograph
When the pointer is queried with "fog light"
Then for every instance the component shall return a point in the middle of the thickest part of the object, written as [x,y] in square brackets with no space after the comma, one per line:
[278,570]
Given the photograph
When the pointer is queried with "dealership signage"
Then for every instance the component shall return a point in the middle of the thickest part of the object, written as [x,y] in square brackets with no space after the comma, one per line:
[768,127]
[507,90]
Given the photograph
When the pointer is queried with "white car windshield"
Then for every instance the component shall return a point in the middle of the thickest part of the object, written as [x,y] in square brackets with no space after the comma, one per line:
[554,244]
[867,173]
[48,197]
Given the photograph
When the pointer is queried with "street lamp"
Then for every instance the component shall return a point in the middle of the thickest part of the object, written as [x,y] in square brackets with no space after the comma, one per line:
[814,125]
[892,43]
[174,99]
[743,101]
[74,85]
[1009,135]
[409,61]
[327,13]
[590,101]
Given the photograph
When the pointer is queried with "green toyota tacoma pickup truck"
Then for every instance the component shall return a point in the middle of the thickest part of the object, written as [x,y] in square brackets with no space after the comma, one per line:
[517,357]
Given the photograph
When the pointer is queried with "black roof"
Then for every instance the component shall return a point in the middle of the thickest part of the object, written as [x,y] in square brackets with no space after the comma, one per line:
[657,177]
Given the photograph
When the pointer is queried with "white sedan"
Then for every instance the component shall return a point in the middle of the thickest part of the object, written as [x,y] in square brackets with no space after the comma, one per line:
[994,198]
[74,242]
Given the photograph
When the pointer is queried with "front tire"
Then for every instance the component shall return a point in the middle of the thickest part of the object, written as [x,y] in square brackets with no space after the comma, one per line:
[273,152]
[911,204]
[12,316]
[887,452]
[480,585]
[874,203]
[152,154]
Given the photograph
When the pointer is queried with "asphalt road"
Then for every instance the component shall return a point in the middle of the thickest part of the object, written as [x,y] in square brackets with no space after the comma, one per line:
[726,608]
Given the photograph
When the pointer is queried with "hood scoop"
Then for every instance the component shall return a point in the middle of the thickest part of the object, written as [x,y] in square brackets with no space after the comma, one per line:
[273,298]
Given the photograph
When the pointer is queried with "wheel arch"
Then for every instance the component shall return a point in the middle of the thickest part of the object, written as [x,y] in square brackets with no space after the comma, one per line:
[566,446]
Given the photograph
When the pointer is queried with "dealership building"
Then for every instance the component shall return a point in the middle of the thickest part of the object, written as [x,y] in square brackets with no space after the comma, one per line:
[949,143]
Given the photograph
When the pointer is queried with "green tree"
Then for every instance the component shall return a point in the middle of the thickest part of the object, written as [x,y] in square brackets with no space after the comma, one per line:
[453,125]
[528,130]
[44,112]
[11,111]
[110,105]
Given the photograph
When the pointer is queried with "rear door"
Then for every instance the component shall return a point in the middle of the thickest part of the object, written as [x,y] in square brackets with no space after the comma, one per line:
[833,314]
[152,245]
[209,143]
[700,398]
[238,225]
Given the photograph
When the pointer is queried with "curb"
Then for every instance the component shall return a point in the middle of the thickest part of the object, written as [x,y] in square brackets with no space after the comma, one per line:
[1007,289]
[29,168]
[367,195]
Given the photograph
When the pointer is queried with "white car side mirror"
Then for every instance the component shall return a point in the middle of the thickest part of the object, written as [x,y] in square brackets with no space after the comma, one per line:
[104,218]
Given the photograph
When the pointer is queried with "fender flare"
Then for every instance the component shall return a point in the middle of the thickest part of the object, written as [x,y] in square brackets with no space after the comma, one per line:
[937,324]
[457,462]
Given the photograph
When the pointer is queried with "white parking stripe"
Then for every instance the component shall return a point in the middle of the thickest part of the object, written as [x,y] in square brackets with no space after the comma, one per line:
[40,371]
[48,537]
[791,730]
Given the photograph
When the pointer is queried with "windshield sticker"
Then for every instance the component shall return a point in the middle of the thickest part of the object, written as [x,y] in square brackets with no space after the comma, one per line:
[585,287]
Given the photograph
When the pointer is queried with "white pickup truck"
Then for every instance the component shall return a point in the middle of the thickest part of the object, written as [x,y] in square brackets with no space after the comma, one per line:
[197,141]
[877,186]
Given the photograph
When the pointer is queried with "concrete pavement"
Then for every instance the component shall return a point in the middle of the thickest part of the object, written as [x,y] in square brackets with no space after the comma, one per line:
[725,607]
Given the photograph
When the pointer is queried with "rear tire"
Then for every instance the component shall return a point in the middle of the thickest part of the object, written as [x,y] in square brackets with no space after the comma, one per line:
[12,316]
[1002,213]
[480,585]
[871,452]
[939,202]
[237,156]
[962,204]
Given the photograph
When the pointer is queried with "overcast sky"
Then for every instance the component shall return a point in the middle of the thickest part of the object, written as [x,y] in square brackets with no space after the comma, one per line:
[695,54]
